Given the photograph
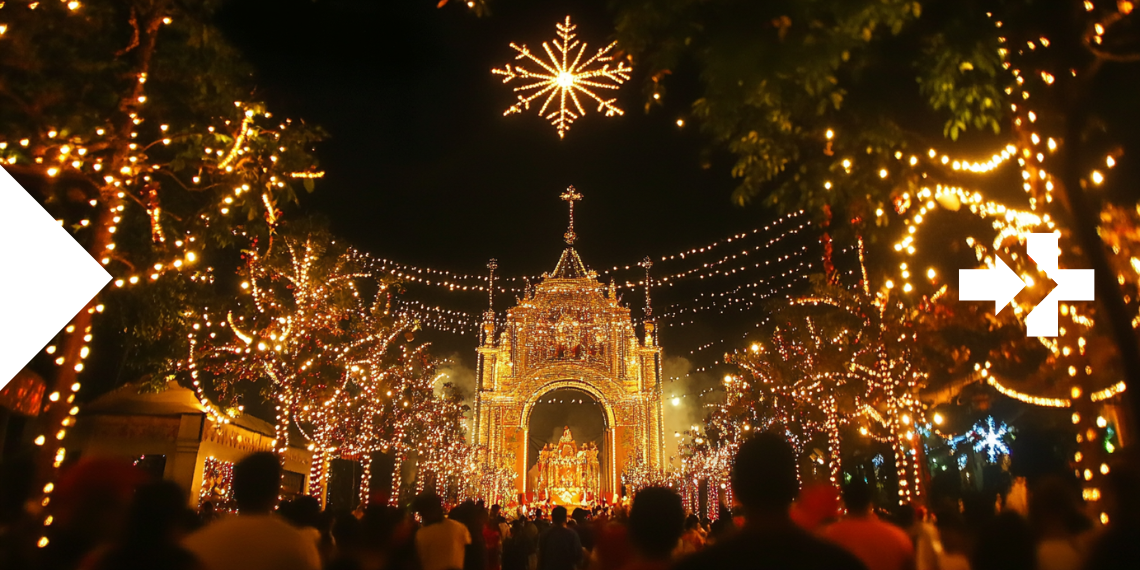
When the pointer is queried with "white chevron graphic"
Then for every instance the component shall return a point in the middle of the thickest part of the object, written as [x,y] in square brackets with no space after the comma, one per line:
[46,277]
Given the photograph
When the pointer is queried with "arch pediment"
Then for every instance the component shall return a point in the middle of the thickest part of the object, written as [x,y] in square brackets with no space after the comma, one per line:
[610,388]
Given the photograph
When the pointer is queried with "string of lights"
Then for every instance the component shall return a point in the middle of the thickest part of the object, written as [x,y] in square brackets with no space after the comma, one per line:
[131,166]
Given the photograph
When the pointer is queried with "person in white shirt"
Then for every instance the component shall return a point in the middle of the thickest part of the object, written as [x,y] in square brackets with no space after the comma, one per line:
[441,542]
[256,539]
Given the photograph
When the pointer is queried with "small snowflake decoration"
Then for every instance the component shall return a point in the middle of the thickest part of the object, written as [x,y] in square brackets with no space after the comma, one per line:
[989,437]
[563,78]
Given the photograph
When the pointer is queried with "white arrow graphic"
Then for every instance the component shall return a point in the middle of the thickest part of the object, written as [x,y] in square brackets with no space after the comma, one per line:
[999,285]
[45,277]
[1072,284]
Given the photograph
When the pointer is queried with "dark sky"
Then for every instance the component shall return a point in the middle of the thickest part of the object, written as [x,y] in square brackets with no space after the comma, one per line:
[423,168]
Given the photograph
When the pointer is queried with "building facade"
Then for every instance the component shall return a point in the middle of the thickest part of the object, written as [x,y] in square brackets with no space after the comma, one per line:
[570,332]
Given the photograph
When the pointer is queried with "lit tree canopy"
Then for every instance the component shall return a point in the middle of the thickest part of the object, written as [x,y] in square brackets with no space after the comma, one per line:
[313,329]
[794,89]
[879,114]
[132,123]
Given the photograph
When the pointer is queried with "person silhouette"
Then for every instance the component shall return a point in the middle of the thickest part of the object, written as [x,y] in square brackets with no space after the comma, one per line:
[765,482]
[256,539]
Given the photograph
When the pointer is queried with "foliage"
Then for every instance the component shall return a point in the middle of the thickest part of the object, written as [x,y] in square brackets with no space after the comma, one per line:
[312,328]
[794,89]
[130,121]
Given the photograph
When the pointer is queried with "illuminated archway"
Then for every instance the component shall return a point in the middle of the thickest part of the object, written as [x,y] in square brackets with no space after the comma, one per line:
[569,332]
[578,407]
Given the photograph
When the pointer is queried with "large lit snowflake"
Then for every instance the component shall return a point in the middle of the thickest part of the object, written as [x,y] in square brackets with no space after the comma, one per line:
[988,437]
[561,79]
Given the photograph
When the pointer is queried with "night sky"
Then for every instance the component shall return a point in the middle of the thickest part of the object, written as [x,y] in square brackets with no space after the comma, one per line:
[423,168]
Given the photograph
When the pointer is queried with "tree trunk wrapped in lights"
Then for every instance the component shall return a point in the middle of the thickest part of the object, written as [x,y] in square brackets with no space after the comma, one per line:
[809,365]
[836,354]
[1035,76]
[316,330]
[134,141]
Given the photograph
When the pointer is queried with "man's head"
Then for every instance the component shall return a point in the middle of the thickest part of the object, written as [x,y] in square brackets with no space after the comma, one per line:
[764,475]
[656,522]
[429,506]
[257,483]
[495,510]
[558,515]
[857,497]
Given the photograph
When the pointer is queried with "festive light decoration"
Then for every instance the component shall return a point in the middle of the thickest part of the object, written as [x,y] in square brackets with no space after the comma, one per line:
[1068,366]
[1109,392]
[318,331]
[217,485]
[561,79]
[1028,399]
[834,344]
[779,230]
[569,332]
[989,437]
[134,170]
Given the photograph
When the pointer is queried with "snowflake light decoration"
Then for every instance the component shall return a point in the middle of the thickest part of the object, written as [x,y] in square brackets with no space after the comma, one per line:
[561,79]
[988,437]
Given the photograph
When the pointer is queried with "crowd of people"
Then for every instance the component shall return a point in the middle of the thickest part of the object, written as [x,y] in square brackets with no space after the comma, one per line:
[109,519]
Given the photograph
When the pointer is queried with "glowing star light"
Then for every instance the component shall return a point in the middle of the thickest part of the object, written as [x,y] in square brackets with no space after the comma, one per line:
[563,78]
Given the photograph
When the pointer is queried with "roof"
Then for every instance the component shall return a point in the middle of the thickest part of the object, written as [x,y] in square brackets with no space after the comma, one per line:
[172,401]
[569,266]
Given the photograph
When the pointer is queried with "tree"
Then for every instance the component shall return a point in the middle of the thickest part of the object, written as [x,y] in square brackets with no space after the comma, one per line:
[314,331]
[806,93]
[883,113]
[131,123]
[312,328]
[841,355]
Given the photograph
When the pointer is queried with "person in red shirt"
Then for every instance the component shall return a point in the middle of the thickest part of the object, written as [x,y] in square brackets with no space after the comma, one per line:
[493,539]
[880,545]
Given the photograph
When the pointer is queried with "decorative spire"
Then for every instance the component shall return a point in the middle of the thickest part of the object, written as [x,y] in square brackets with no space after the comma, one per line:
[647,263]
[571,195]
[489,314]
[492,265]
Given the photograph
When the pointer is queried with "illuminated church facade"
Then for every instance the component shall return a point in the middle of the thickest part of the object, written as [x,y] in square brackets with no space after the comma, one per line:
[570,332]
